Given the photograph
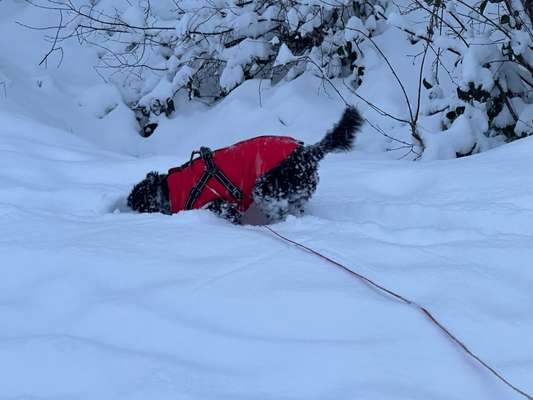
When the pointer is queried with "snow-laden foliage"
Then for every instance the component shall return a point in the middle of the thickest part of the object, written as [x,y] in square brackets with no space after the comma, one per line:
[481,78]
[204,49]
[472,64]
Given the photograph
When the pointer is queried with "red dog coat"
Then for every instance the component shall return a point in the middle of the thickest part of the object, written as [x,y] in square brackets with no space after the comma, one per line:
[228,173]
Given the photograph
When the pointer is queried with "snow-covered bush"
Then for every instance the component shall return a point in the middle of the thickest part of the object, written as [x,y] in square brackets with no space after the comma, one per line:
[482,68]
[203,49]
[474,68]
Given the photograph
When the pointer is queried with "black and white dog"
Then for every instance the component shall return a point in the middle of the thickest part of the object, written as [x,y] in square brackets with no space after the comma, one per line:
[282,190]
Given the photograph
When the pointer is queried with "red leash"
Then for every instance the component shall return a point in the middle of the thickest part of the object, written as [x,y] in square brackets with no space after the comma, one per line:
[409,302]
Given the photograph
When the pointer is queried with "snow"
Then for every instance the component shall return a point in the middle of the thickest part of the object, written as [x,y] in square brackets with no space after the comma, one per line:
[163,90]
[474,60]
[100,100]
[100,302]
[293,18]
[284,56]
[134,16]
[524,127]
[354,27]
[231,76]
[519,42]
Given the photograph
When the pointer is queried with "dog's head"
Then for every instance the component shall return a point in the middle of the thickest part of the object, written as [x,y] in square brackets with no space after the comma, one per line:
[150,195]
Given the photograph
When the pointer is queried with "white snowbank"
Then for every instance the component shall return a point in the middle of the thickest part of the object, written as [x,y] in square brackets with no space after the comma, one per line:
[99,100]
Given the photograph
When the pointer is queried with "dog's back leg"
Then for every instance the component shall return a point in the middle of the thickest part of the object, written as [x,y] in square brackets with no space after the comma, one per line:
[285,189]
[270,199]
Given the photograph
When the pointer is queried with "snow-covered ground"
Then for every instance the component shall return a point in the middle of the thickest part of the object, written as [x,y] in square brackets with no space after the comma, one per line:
[100,303]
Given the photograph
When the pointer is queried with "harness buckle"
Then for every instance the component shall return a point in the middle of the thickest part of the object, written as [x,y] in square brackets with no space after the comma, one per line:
[210,170]
[207,155]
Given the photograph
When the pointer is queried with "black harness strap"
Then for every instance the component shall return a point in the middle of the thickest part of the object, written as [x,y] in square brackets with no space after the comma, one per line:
[211,170]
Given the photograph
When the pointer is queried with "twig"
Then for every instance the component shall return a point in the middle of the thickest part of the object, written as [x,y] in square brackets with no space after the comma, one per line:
[53,48]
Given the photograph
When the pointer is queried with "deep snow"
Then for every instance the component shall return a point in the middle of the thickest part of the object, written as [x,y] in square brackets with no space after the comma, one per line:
[98,302]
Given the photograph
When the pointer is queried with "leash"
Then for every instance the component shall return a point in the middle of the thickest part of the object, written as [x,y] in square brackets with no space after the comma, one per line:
[408,302]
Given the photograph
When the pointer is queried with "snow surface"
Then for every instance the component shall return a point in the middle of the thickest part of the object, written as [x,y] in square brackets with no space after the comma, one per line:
[100,303]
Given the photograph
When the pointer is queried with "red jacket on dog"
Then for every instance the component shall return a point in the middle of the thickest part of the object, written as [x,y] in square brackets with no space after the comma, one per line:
[228,173]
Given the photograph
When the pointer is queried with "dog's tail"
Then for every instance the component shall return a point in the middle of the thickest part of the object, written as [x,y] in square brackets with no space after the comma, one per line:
[341,136]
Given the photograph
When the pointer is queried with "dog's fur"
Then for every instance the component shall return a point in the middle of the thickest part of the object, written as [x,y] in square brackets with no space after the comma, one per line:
[283,190]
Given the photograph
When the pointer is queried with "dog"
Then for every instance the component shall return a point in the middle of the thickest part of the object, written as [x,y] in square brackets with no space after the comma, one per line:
[278,175]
